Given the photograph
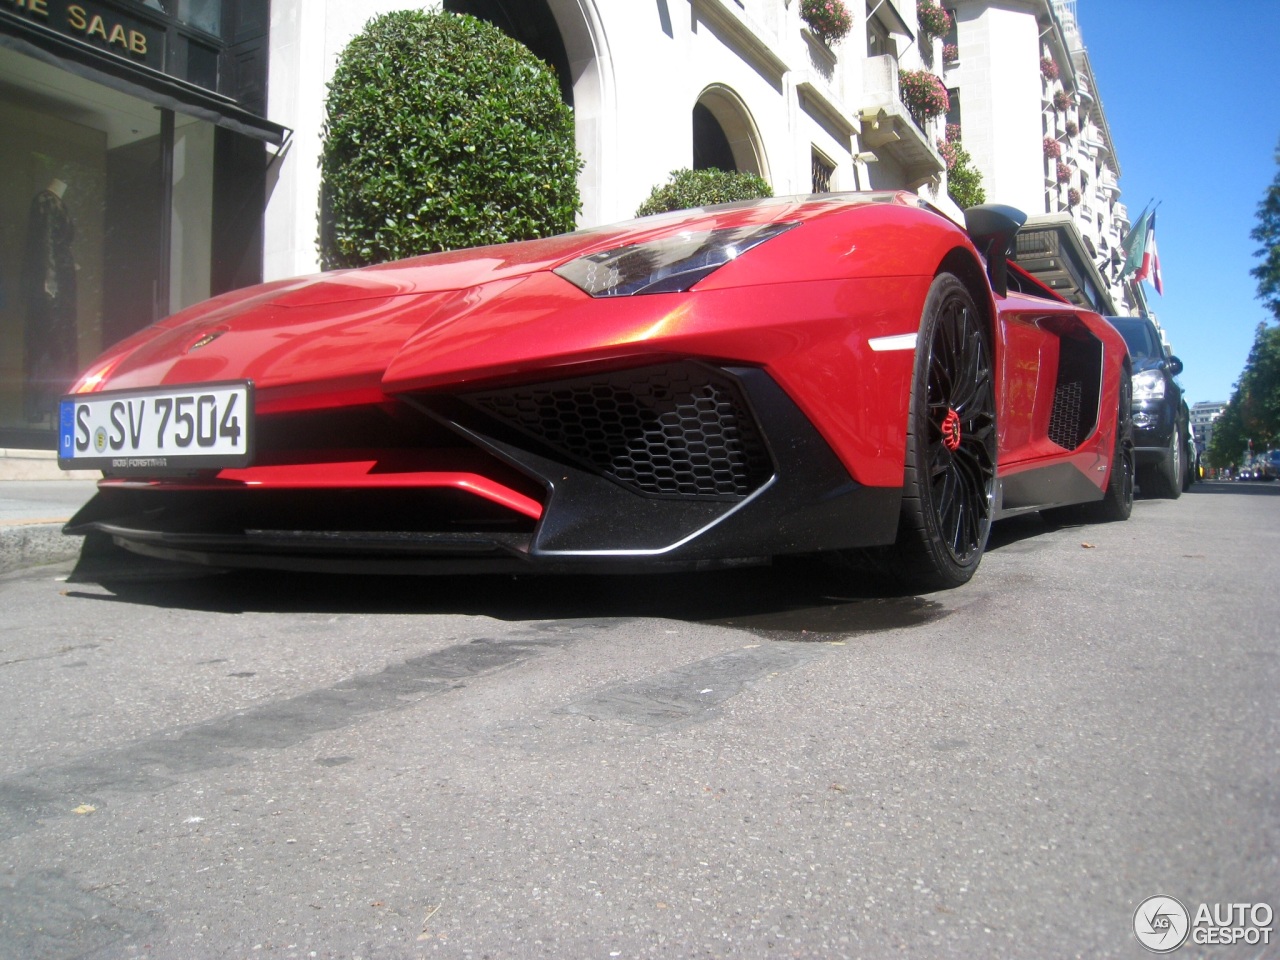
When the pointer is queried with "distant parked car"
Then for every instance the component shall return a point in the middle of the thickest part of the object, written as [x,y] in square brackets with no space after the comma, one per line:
[1163,449]
[1271,465]
[1264,467]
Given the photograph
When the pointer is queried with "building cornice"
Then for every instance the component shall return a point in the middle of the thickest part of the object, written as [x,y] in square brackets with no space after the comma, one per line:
[736,28]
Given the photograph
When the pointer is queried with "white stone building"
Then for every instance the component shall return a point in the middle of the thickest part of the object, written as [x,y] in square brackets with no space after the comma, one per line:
[1032,118]
[666,84]
[1203,416]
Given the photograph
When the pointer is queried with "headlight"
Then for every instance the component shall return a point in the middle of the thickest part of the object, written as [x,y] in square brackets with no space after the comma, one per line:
[668,265]
[1148,385]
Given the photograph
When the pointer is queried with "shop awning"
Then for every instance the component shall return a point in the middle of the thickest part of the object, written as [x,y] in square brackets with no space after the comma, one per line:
[77,57]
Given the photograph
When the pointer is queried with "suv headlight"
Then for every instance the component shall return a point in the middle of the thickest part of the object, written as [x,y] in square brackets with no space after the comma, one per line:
[668,265]
[1148,385]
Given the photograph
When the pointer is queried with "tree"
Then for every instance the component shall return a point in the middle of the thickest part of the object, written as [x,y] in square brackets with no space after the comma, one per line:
[1267,233]
[1253,413]
[964,180]
[442,132]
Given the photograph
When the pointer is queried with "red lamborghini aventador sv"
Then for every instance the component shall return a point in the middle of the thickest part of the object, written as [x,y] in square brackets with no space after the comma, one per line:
[847,373]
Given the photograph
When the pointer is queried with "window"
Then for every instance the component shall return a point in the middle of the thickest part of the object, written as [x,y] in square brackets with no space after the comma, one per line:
[95,241]
[1139,335]
[953,112]
[823,172]
[203,14]
[879,41]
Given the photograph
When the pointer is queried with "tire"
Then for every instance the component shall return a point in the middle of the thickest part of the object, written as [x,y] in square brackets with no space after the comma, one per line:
[1117,501]
[950,472]
[1164,479]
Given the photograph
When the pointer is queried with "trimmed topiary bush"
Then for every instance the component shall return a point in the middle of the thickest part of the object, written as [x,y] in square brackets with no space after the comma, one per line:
[442,132]
[686,189]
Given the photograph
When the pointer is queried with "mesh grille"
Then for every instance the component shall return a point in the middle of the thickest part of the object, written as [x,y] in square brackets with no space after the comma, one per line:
[1064,423]
[679,431]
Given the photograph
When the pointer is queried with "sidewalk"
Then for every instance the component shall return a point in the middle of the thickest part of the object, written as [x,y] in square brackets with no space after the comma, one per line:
[36,499]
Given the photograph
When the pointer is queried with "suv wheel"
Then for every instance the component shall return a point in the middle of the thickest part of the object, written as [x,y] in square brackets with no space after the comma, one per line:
[1164,479]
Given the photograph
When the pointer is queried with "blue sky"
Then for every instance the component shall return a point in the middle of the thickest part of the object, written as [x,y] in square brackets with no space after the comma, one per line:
[1192,97]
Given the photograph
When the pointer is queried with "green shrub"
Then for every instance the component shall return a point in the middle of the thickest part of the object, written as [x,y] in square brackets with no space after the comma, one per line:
[441,132]
[686,189]
[964,182]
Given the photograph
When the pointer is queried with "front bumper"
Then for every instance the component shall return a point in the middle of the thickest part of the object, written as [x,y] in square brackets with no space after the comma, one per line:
[676,466]
[1154,423]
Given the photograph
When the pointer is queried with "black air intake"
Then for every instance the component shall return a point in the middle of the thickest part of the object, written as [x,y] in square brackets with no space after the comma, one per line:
[1065,421]
[682,430]
[1076,391]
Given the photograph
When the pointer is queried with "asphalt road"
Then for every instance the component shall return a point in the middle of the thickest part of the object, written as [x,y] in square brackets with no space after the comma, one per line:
[767,764]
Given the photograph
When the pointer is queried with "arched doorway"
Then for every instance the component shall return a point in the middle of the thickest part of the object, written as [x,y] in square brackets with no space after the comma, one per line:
[711,149]
[529,21]
[724,135]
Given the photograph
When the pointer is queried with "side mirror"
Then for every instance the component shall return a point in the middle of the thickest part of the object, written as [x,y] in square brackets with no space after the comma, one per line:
[1173,365]
[993,227]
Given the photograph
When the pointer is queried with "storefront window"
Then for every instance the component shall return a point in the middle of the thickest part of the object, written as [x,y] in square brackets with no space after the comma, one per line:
[191,231]
[95,240]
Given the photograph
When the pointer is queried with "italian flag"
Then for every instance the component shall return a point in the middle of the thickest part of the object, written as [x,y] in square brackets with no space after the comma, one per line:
[1149,268]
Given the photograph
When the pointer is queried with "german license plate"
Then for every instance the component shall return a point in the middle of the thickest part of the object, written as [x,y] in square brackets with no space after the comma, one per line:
[205,426]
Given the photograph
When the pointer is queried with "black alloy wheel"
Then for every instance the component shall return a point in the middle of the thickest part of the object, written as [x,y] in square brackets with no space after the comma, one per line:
[1117,504]
[1163,480]
[950,475]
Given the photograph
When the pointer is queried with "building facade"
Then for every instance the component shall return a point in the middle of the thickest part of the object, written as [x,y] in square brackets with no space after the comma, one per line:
[1031,116]
[186,135]
[1203,416]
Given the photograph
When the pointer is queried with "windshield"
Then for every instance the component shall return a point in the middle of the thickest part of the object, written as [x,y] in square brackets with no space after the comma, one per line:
[1139,335]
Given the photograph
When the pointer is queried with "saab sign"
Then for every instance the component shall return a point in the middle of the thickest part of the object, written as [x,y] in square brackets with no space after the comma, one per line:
[98,25]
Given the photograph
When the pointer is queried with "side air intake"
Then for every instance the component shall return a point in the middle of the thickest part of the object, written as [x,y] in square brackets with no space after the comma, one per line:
[1076,392]
[682,431]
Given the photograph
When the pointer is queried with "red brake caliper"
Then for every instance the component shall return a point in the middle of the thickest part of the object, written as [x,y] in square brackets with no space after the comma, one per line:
[951,430]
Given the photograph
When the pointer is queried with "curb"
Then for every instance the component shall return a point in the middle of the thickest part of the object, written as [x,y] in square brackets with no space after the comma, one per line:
[25,545]
[38,465]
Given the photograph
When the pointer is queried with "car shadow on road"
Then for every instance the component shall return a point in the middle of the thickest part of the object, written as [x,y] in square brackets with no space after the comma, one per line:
[774,591]
[801,596]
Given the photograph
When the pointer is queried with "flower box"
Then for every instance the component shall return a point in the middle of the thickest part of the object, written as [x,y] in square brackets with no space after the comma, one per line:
[829,20]
[924,94]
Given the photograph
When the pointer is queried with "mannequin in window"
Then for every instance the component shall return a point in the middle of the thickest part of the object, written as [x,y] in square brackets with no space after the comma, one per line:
[49,291]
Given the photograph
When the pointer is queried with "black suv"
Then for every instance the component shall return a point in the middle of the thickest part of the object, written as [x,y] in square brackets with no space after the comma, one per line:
[1161,434]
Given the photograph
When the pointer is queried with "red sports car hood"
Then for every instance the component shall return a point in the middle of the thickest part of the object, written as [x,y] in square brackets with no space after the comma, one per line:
[346,329]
